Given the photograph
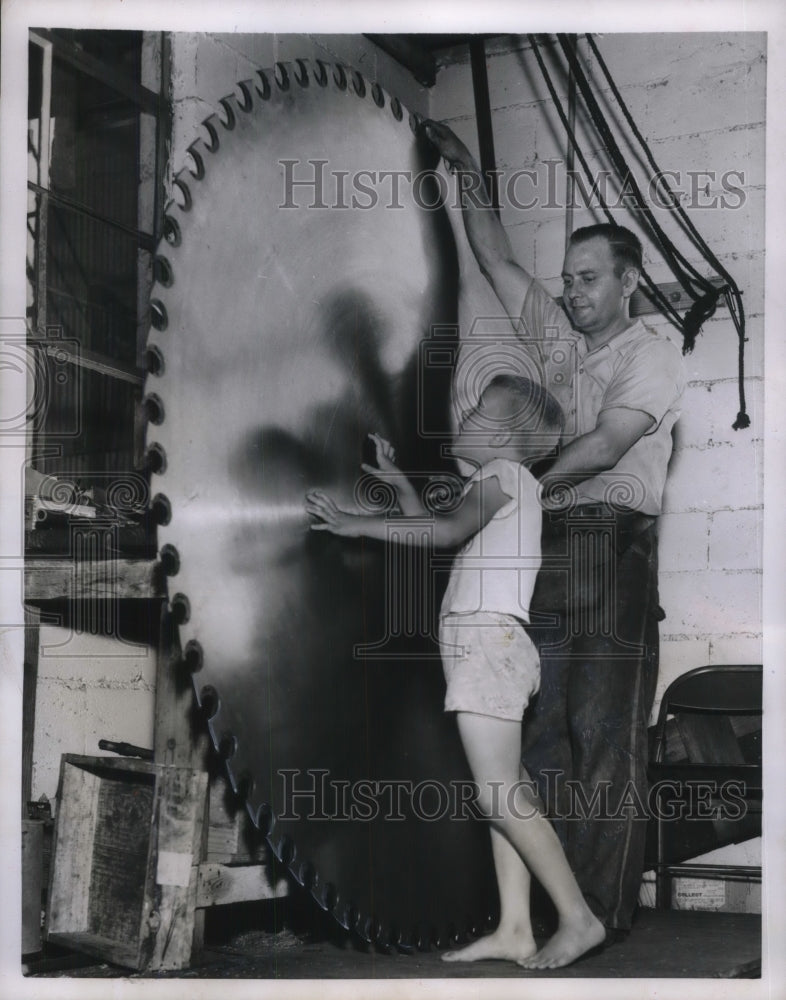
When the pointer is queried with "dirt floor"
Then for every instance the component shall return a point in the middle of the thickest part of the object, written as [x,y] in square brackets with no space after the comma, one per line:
[264,942]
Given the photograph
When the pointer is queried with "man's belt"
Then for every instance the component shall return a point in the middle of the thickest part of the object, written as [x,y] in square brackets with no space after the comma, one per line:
[631,520]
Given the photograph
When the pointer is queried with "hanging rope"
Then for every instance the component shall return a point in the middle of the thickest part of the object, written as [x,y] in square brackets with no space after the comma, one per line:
[704,293]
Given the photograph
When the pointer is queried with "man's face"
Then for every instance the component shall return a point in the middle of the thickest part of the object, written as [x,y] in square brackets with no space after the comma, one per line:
[593,294]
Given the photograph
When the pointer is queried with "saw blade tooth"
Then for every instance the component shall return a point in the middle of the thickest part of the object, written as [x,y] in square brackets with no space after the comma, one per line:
[153,408]
[262,85]
[210,126]
[162,271]
[281,76]
[180,186]
[193,655]
[154,360]
[317,890]
[382,938]
[161,510]
[231,111]
[261,817]
[244,95]
[172,231]
[421,938]
[209,702]
[378,95]
[321,72]
[340,76]
[169,558]
[283,848]
[227,746]
[306,875]
[155,458]
[330,901]
[395,108]
[195,159]
[358,83]
[405,942]
[301,73]
[364,928]
[159,318]
[179,605]
[345,913]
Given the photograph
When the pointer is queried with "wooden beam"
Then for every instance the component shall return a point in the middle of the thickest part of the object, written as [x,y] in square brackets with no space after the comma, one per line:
[29,689]
[640,305]
[145,240]
[218,885]
[91,360]
[70,52]
[413,57]
[54,579]
[480,86]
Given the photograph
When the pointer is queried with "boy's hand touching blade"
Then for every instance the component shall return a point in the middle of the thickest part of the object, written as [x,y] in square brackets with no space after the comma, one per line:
[386,467]
[331,518]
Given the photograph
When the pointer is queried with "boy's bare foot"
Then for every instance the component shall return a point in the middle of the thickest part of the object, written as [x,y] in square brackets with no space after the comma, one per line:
[510,946]
[571,941]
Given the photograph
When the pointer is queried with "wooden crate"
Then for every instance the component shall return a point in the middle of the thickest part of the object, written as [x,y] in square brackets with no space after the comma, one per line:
[127,846]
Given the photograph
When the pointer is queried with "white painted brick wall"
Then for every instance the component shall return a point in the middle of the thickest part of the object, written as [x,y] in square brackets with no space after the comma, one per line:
[89,688]
[709,603]
[736,539]
[684,541]
[677,654]
[716,477]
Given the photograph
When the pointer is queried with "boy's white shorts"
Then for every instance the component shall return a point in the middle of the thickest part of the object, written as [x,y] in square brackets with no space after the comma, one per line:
[491,665]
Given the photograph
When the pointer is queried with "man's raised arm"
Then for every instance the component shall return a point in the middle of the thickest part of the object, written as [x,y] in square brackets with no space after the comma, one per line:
[485,232]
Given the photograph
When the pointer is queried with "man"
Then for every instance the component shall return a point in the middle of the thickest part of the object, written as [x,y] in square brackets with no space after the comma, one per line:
[587,738]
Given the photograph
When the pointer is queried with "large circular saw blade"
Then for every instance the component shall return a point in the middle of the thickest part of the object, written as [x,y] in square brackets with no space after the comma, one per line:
[289,322]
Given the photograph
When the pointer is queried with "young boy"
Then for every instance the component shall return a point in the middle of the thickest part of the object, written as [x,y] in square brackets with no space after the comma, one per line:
[490,664]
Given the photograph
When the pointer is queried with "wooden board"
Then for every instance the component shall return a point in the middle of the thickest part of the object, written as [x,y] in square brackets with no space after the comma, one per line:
[126,855]
[55,578]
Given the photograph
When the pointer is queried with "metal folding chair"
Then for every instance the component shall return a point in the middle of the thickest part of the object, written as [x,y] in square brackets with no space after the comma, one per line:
[700,772]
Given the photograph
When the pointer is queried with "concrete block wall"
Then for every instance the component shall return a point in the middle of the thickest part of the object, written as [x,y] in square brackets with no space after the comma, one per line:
[699,99]
[90,687]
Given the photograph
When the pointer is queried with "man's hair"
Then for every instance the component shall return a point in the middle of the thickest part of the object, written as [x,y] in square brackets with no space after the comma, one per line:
[625,246]
[533,407]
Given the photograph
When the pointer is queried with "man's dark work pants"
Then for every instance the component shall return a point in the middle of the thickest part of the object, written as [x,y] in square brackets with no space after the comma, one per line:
[595,621]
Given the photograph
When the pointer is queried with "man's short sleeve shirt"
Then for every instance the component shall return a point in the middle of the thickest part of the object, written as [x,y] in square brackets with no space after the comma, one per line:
[637,369]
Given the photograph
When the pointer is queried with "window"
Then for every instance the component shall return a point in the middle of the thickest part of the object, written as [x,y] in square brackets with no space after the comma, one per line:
[98,119]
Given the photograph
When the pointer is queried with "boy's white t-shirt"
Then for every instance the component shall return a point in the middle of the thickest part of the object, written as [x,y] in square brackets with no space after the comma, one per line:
[496,569]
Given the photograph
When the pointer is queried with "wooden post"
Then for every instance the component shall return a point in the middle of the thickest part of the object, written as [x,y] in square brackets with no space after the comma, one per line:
[175,740]
[29,692]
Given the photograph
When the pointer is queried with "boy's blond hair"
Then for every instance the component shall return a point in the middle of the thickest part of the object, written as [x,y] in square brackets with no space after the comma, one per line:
[533,408]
